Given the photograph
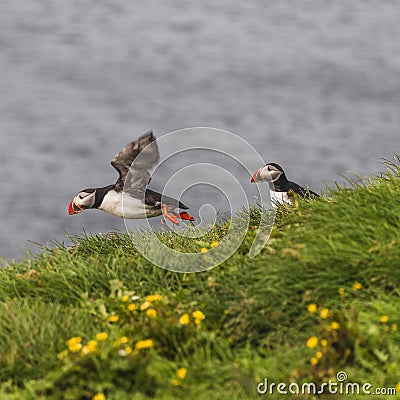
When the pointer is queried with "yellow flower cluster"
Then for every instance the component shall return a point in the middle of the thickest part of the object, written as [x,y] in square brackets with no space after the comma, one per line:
[384,319]
[151,313]
[144,344]
[312,342]
[123,340]
[154,297]
[324,313]
[132,307]
[113,318]
[99,396]
[334,325]
[90,347]
[312,308]
[184,319]
[145,305]
[74,344]
[101,336]
[198,316]
[212,245]
[181,374]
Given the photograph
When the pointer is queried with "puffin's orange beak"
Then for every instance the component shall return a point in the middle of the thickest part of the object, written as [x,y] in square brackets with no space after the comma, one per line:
[73,208]
[256,177]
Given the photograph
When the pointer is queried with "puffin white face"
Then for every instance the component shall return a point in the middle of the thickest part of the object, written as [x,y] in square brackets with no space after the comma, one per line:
[269,173]
[82,201]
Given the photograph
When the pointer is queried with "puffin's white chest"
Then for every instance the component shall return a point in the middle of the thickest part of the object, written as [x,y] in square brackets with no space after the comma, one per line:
[279,198]
[125,206]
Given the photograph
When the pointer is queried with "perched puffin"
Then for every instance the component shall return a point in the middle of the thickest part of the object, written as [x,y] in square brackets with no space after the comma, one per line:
[282,186]
[129,197]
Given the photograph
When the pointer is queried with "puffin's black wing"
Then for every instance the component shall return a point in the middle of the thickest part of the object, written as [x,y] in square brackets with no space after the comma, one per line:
[153,198]
[124,162]
[303,192]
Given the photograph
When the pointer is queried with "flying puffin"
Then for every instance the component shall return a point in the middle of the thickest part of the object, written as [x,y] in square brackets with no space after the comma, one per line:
[282,186]
[129,197]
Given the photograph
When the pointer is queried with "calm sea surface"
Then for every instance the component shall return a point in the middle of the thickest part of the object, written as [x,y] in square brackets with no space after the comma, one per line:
[312,85]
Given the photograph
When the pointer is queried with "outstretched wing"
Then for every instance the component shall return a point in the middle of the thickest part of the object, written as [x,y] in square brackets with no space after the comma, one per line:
[132,167]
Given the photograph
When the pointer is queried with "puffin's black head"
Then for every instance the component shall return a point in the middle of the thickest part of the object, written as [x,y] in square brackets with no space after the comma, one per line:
[270,173]
[82,201]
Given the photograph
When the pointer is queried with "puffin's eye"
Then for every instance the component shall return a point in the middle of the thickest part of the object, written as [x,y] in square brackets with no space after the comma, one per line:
[269,168]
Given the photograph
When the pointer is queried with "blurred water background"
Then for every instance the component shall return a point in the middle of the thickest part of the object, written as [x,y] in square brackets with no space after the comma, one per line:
[314,86]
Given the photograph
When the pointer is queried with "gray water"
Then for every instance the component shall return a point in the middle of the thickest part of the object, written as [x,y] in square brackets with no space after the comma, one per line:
[313,85]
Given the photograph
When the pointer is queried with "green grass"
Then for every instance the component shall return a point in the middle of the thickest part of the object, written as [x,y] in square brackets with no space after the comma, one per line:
[256,325]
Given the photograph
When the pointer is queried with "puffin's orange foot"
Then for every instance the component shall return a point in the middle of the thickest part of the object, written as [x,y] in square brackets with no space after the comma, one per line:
[185,216]
[171,217]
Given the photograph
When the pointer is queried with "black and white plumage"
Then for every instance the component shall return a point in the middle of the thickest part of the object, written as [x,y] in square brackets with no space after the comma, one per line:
[129,196]
[282,187]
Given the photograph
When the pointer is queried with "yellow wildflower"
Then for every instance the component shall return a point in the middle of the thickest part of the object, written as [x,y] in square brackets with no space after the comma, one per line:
[74,347]
[314,361]
[341,291]
[90,347]
[398,387]
[125,298]
[357,286]
[113,318]
[123,340]
[101,336]
[76,339]
[334,325]
[132,307]
[318,354]
[214,244]
[204,250]
[99,396]
[144,306]
[144,344]
[324,313]
[311,308]
[198,316]
[74,344]
[128,350]
[61,355]
[151,313]
[184,319]
[312,342]
[154,297]
[394,327]
[324,342]
[181,373]
[175,382]
[384,319]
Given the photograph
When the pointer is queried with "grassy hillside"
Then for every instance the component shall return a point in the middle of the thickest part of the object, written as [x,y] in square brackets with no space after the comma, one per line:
[97,320]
